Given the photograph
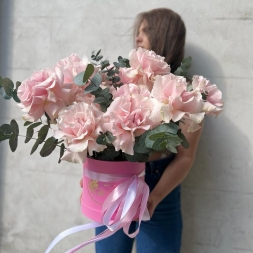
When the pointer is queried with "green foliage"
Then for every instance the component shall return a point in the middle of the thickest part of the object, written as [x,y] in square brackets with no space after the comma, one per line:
[88,72]
[104,64]
[7,89]
[166,136]
[95,84]
[18,83]
[42,134]
[123,62]
[96,56]
[15,96]
[13,142]
[184,142]
[163,137]
[30,131]
[62,149]
[105,138]
[48,147]
[137,157]
[8,86]
[5,132]
[108,154]
[103,97]
[81,78]
[14,127]
[183,68]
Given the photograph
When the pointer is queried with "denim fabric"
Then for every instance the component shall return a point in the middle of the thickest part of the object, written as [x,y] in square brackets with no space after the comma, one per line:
[161,234]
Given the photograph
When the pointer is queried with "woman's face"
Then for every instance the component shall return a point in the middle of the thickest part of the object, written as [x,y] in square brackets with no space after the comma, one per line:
[142,39]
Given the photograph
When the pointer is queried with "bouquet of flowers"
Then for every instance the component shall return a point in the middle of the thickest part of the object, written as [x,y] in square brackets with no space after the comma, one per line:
[119,111]
[111,112]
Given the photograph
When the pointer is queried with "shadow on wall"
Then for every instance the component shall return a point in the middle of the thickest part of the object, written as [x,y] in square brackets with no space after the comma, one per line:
[5,44]
[217,169]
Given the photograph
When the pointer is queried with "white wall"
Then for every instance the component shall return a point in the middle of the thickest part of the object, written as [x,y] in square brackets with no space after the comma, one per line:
[40,198]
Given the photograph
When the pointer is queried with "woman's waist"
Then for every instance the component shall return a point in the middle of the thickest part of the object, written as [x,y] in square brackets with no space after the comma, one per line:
[159,165]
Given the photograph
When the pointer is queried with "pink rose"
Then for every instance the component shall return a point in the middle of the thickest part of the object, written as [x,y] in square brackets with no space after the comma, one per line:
[79,125]
[169,90]
[145,65]
[129,89]
[130,116]
[43,92]
[213,103]
[71,66]
[194,121]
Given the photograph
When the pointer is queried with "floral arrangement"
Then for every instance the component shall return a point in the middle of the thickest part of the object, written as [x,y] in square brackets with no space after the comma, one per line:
[119,111]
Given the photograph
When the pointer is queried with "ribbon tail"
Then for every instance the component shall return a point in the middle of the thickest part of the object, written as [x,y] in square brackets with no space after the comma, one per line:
[99,237]
[72,231]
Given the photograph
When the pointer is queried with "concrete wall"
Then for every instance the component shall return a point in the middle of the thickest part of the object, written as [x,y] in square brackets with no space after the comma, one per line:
[40,198]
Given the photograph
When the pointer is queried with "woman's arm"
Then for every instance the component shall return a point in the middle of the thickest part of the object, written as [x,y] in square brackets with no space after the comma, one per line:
[177,170]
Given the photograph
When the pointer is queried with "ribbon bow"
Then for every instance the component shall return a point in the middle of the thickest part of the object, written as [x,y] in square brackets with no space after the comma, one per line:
[127,202]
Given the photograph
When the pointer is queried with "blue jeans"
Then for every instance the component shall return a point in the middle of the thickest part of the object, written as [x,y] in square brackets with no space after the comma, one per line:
[160,234]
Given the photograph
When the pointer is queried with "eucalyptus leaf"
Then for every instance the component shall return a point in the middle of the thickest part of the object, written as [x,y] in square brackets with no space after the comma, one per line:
[141,149]
[88,72]
[14,127]
[62,149]
[48,147]
[105,91]
[43,133]
[108,154]
[35,146]
[99,100]
[5,129]
[184,142]
[8,86]
[105,64]
[159,144]
[105,138]
[36,124]
[110,136]
[30,131]
[15,96]
[98,52]
[98,58]
[27,123]
[29,134]
[173,138]
[187,62]
[78,79]
[183,68]
[5,132]
[18,83]
[179,72]
[154,137]
[13,142]
[4,137]
[4,95]
[116,79]
[90,88]
[171,148]
[97,79]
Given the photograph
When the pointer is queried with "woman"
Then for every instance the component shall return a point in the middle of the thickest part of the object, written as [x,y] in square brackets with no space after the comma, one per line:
[162,31]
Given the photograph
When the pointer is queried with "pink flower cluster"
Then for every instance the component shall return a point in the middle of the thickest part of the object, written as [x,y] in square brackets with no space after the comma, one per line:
[50,90]
[150,72]
[150,95]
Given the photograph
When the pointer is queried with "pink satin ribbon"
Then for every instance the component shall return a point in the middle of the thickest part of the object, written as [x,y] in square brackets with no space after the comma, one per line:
[128,200]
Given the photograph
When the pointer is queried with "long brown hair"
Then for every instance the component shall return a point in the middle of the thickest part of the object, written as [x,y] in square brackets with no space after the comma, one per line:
[166,33]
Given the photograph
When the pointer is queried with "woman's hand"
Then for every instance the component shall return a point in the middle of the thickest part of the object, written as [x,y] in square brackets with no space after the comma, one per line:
[151,205]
